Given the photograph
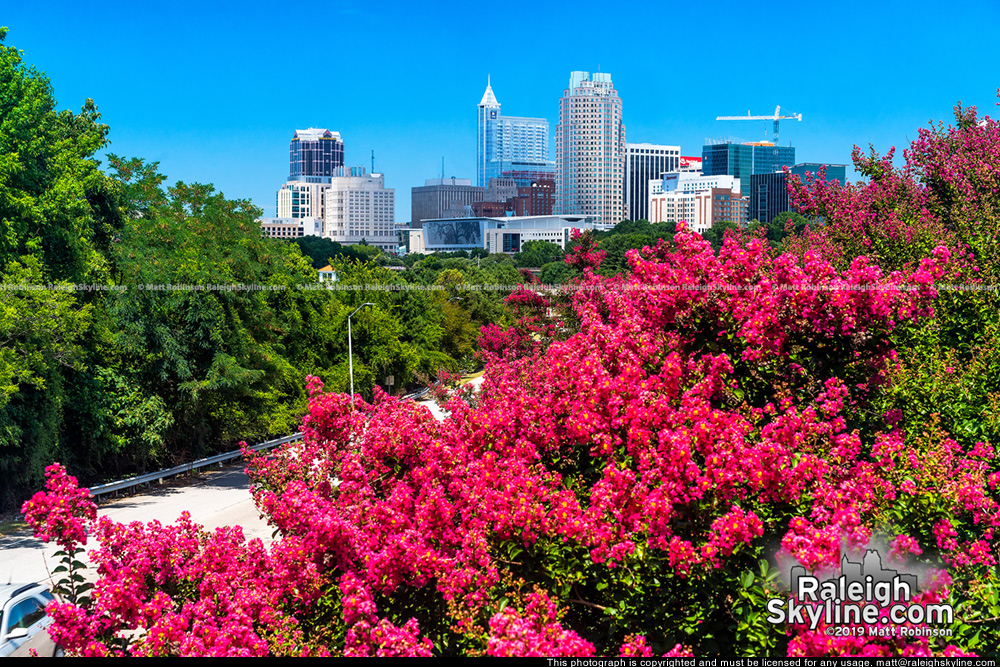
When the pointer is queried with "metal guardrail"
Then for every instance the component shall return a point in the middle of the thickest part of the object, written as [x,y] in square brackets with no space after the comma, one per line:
[124,484]
[121,485]
[417,395]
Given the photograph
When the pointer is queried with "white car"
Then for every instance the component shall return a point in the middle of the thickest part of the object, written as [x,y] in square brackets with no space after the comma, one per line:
[23,622]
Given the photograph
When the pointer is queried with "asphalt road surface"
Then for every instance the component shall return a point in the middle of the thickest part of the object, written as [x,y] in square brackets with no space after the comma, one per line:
[215,498]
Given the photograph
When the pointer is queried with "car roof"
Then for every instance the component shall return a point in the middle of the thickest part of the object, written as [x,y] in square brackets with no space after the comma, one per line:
[8,591]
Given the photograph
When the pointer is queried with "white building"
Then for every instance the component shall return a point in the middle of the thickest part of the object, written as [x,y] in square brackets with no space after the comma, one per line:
[698,200]
[590,150]
[290,228]
[299,199]
[360,207]
[510,235]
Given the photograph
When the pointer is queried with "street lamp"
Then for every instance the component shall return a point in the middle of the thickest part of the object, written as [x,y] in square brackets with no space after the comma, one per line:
[350,349]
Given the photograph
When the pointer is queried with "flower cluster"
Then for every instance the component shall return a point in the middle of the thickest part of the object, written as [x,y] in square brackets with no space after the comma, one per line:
[631,474]
[62,512]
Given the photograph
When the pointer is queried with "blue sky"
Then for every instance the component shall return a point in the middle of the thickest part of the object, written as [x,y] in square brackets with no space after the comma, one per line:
[213,91]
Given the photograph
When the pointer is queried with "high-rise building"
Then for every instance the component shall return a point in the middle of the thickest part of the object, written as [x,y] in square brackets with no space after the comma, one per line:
[744,160]
[590,150]
[769,192]
[316,152]
[442,198]
[359,207]
[834,172]
[508,142]
[298,199]
[643,163]
[768,195]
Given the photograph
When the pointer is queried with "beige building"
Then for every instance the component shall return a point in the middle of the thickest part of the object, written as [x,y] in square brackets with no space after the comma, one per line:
[360,207]
[590,150]
[291,228]
[700,210]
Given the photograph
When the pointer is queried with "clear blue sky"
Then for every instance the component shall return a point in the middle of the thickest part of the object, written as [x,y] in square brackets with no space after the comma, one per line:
[213,91]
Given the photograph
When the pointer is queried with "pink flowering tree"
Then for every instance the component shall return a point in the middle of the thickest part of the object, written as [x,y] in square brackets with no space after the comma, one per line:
[618,490]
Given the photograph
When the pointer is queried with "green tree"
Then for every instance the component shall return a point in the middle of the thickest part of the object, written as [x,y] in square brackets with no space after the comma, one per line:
[538,253]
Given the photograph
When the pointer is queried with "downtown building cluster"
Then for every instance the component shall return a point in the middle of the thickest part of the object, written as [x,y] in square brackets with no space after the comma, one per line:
[596,180]
[322,197]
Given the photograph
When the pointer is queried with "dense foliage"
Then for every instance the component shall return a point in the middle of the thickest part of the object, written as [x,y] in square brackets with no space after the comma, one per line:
[628,480]
[143,325]
[648,449]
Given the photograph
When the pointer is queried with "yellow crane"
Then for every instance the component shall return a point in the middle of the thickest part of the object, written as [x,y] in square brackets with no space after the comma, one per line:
[776,117]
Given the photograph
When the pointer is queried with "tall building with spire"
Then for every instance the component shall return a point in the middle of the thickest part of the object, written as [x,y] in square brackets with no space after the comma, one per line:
[506,143]
[590,149]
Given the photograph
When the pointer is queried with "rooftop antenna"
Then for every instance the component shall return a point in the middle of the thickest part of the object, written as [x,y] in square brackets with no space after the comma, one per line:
[442,167]
[373,160]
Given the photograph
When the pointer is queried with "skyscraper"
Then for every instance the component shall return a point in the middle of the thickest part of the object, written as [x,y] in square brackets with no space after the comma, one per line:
[590,149]
[744,160]
[315,152]
[643,163]
[508,142]
[769,192]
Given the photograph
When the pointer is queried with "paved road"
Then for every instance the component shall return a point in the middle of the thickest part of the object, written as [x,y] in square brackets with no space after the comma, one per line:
[215,498]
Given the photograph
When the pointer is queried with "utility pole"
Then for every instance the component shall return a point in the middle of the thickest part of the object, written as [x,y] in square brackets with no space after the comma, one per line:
[350,348]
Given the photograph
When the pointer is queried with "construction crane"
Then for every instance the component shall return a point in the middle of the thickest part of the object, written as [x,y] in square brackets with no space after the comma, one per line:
[776,117]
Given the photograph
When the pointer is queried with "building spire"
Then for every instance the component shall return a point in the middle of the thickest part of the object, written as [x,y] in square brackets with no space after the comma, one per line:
[489,100]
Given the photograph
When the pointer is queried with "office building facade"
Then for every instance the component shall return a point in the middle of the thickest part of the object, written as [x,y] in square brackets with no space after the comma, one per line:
[290,228]
[699,210]
[535,199]
[314,153]
[768,193]
[508,142]
[442,198]
[360,207]
[643,163]
[590,150]
[744,160]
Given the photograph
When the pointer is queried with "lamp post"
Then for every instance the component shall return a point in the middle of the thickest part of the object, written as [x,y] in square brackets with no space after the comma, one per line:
[350,348]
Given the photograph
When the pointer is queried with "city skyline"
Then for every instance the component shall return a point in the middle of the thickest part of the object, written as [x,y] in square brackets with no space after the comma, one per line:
[202,97]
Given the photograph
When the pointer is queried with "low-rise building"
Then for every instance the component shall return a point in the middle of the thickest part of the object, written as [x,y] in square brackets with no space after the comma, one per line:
[290,228]
[700,210]
[496,235]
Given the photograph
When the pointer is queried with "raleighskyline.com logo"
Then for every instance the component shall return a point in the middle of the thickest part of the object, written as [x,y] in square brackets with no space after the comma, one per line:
[863,599]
